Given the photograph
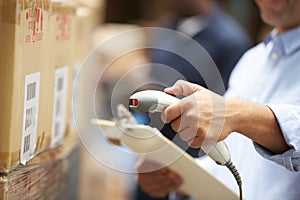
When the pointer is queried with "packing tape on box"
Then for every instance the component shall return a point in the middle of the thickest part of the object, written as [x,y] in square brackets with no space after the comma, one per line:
[9,159]
[49,180]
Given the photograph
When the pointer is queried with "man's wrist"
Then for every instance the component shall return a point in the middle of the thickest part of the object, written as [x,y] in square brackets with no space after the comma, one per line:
[233,114]
[255,121]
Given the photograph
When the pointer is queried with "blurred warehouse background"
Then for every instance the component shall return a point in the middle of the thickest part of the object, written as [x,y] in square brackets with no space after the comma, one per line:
[46,151]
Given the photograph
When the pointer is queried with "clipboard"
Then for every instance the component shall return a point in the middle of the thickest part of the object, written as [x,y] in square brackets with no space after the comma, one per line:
[150,144]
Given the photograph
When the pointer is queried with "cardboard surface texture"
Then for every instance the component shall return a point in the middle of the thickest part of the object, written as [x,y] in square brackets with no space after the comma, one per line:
[62,22]
[23,80]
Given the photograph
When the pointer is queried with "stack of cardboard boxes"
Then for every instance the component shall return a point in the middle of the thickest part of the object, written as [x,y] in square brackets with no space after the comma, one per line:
[25,82]
[37,57]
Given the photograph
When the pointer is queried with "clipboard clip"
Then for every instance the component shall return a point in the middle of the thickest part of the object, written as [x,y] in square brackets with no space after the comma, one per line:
[124,117]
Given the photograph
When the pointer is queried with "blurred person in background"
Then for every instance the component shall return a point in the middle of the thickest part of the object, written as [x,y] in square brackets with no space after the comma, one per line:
[268,75]
[208,24]
[205,22]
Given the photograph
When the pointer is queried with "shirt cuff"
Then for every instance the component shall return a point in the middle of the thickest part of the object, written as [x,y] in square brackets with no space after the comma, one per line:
[288,117]
[289,159]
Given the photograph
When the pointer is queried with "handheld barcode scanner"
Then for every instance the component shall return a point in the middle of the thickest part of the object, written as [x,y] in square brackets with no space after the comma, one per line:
[156,101]
[151,101]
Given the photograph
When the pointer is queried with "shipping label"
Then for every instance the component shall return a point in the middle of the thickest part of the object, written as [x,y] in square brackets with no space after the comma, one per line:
[63,26]
[34,25]
[60,105]
[30,116]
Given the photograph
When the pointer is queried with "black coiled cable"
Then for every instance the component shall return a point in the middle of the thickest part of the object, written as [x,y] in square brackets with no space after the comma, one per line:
[237,177]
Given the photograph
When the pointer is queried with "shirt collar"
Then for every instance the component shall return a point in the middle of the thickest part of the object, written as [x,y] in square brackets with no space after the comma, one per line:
[289,40]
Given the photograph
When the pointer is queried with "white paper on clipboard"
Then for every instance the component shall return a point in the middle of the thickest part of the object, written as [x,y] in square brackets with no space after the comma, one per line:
[150,144]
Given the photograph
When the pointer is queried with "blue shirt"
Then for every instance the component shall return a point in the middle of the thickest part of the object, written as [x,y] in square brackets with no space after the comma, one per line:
[268,74]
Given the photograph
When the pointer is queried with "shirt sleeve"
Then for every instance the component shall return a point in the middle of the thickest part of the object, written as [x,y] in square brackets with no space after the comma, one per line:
[288,117]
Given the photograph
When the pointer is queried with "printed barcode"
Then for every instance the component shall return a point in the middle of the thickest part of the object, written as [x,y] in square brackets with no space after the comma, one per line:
[60,84]
[56,129]
[26,143]
[58,107]
[31,91]
[29,118]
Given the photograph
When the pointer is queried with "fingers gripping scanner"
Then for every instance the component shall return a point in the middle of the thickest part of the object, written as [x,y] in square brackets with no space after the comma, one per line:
[156,101]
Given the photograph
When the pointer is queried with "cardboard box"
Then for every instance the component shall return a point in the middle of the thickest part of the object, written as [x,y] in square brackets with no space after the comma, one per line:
[62,47]
[54,179]
[24,80]
[82,36]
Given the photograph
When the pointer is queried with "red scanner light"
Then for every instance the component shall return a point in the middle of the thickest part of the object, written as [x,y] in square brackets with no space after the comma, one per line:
[133,102]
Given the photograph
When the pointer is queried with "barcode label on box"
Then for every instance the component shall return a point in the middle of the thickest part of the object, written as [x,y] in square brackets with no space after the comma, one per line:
[31,90]
[30,116]
[26,143]
[60,105]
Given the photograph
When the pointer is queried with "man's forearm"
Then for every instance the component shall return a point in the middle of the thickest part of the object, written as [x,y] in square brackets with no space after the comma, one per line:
[256,122]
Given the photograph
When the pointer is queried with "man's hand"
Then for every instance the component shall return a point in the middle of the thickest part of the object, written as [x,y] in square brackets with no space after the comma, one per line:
[203,117]
[157,183]
[199,117]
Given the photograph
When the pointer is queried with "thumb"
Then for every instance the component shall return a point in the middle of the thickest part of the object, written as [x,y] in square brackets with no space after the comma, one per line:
[182,87]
